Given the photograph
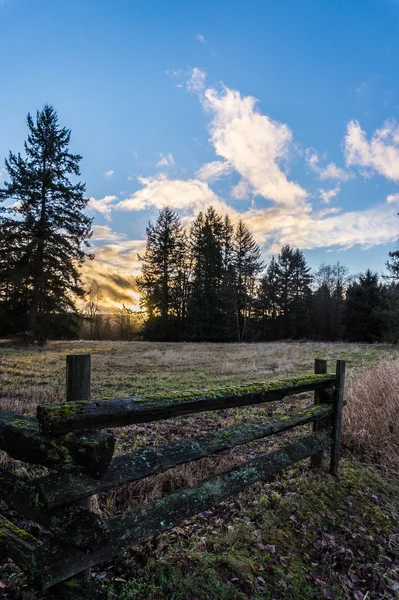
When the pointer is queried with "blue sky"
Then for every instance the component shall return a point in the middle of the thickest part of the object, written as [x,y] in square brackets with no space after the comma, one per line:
[282,113]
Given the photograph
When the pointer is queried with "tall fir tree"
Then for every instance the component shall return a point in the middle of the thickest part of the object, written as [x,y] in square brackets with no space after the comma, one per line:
[44,233]
[205,307]
[268,302]
[363,305]
[247,265]
[163,276]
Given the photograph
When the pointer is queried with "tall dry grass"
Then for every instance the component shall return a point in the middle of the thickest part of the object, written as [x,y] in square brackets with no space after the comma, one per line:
[371,416]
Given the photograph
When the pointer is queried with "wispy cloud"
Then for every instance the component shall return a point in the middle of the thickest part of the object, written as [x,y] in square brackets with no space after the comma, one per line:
[214,170]
[330,171]
[109,174]
[200,38]
[196,80]
[105,233]
[380,154]
[393,198]
[166,160]
[103,205]
[327,195]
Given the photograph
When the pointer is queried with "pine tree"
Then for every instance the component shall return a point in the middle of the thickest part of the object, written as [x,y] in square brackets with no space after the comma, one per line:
[43,234]
[301,297]
[247,265]
[363,305]
[205,307]
[268,303]
[162,274]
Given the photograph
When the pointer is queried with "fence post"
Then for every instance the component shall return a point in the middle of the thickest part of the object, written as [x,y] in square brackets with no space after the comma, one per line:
[337,415]
[78,387]
[78,374]
[320,397]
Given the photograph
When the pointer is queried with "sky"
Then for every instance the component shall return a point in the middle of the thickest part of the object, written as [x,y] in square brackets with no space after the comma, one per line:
[284,114]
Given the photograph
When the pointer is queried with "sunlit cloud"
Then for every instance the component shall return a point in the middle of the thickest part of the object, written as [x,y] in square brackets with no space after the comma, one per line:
[115,268]
[103,205]
[253,143]
[327,195]
[105,233]
[214,170]
[109,174]
[330,171]
[159,191]
[380,154]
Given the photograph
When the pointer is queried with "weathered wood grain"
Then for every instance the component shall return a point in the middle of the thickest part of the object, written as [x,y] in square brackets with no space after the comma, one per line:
[123,469]
[136,525]
[320,397]
[21,547]
[337,416]
[72,416]
[73,524]
[89,452]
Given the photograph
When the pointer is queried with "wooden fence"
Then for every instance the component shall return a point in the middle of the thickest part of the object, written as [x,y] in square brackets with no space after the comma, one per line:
[65,438]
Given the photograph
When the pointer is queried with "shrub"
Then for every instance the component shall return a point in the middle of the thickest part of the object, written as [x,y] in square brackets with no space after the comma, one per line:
[371,417]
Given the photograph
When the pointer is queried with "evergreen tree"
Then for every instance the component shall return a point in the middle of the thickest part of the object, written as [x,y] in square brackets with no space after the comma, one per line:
[163,275]
[363,305]
[43,234]
[207,237]
[247,265]
[301,297]
[268,302]
[393,265]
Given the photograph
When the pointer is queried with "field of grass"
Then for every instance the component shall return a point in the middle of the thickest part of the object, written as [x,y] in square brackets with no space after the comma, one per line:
[306,535]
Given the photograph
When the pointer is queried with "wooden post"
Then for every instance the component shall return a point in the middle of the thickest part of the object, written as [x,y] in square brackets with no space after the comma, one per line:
[78,373]
[320,397]
[337,417]
[78,387]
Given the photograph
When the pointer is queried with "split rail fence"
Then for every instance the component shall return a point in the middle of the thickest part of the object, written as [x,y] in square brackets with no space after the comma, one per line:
[67,438]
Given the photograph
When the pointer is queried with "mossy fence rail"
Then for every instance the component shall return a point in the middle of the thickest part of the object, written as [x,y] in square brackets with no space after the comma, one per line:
[65,438]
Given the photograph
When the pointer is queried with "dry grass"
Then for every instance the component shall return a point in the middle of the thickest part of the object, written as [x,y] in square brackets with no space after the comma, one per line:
[32,376]
[371,417]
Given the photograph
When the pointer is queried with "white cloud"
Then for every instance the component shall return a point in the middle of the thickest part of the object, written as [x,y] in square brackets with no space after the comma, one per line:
[214,170]
[103,205]
[105,233]
[190,195]
[253,143]
[165,161]
[196,81]
[327,195]
[380,154]
[393,198]
[331,171]
[200,38]
[109,174]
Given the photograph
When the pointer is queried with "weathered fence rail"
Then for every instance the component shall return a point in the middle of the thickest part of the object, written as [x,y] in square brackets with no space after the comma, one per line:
[65,439]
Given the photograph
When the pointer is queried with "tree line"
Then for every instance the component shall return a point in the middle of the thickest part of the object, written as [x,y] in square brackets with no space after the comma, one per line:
[210,284]
[205,283]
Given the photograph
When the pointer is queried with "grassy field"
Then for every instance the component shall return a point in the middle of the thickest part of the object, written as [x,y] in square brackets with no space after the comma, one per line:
[306,535]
